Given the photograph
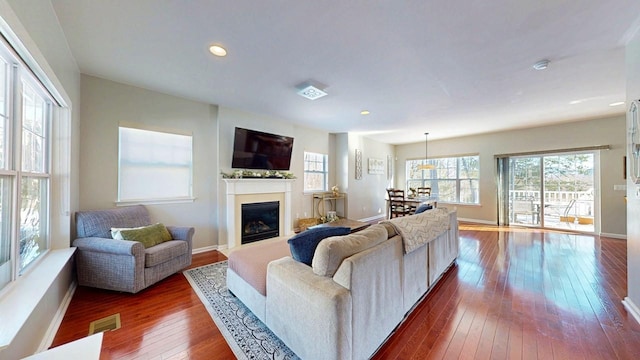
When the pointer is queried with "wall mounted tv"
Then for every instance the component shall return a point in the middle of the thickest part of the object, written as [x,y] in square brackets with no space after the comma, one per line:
[259,150]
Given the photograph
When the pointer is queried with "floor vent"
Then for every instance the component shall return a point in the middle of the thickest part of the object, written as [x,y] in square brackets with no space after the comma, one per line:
[108,323]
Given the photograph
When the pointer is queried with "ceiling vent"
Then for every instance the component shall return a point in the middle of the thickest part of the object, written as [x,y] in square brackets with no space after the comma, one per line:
[311,90]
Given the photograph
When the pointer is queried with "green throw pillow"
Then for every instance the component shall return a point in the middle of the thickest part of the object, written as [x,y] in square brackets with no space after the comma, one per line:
[148,235]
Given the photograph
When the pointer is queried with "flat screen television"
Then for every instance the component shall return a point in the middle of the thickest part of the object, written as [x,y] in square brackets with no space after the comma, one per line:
[259,150]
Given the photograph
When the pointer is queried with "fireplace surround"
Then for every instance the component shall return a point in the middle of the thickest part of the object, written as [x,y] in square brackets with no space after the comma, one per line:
[245,191]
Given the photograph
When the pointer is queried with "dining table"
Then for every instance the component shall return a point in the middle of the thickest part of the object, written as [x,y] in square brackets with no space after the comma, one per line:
[415,201]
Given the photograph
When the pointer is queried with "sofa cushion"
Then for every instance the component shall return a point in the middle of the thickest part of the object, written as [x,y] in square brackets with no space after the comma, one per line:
[331,251]
[303,245]
[98,223]
[391,231]
[164,252]
[423,207]
[250,262]
[149,236]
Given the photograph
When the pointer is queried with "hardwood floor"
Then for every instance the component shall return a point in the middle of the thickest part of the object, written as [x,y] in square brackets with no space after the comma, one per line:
[165,321]
[513,294]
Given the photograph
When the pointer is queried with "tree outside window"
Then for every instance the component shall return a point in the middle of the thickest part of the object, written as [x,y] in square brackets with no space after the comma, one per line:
[452,179]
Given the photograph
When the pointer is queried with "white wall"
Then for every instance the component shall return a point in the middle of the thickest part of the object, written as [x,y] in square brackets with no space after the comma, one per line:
[366,196]
[632,301]
[105,104]
[609,131]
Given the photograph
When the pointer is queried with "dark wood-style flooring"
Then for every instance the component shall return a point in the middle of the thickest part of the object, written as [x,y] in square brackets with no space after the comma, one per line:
[513,294]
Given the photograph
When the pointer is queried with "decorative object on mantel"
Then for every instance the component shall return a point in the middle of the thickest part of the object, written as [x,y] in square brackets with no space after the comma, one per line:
[376,166]
[252,174]
[358,164]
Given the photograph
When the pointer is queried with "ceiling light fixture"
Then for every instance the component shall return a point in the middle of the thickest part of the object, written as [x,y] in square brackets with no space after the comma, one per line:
[426,166]
[617,103]
[542,64]
[218,50]
[311,90]
[365,112]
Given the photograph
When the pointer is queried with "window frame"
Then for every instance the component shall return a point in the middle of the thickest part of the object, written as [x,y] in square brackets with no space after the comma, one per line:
[427,181]
[324,172]
[188,197]
[20,80]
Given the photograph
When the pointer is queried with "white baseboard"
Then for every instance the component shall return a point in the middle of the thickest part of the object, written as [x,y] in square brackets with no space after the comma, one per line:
[57,318]
[631,308]
[486,222]
[614,236]
[208,248]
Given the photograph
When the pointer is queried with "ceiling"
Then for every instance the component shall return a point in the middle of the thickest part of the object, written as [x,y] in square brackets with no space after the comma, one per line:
[451,68]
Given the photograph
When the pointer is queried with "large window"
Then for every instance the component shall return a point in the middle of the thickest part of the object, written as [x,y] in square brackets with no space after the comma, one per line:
[154,166]
[315,172]
[25,119]
[452,179]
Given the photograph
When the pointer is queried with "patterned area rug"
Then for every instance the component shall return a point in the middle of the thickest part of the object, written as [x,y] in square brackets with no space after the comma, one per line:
[247,336]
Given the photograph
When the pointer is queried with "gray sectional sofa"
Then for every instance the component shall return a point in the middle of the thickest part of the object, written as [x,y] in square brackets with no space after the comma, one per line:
[358,290]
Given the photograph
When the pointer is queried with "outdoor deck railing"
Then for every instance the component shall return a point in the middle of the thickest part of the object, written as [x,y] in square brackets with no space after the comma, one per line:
[556,203]
[552,196]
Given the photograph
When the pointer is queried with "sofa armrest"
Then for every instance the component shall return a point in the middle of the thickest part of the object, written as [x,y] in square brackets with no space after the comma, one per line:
[110,264]
[110,246]
[181,232]
[310,313]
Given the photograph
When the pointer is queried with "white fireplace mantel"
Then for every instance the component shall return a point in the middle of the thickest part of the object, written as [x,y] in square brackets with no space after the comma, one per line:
[240,188]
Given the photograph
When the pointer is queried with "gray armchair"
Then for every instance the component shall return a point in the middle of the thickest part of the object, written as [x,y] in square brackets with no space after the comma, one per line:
[124,265]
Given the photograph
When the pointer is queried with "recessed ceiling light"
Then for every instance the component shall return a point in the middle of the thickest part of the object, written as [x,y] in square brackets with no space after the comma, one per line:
[617,103]
[218,50]
[541,65]
[364,112]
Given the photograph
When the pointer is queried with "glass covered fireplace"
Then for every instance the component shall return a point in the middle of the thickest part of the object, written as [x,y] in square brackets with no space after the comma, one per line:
[260,221]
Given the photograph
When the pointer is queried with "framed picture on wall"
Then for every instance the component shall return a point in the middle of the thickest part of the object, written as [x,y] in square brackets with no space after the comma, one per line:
[376,166]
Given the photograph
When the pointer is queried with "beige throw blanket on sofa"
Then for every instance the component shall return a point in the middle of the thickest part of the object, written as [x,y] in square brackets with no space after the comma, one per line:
[417,230]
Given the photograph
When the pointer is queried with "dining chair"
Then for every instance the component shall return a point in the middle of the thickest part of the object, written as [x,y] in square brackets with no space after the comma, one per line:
[423,192]
[397,203]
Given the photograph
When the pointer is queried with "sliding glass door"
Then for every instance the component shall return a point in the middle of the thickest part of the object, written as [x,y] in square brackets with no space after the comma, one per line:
[552,191]
[569,183]
[525,189]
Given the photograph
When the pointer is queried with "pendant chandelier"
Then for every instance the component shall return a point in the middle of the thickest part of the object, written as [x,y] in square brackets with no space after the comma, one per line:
[426,166]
